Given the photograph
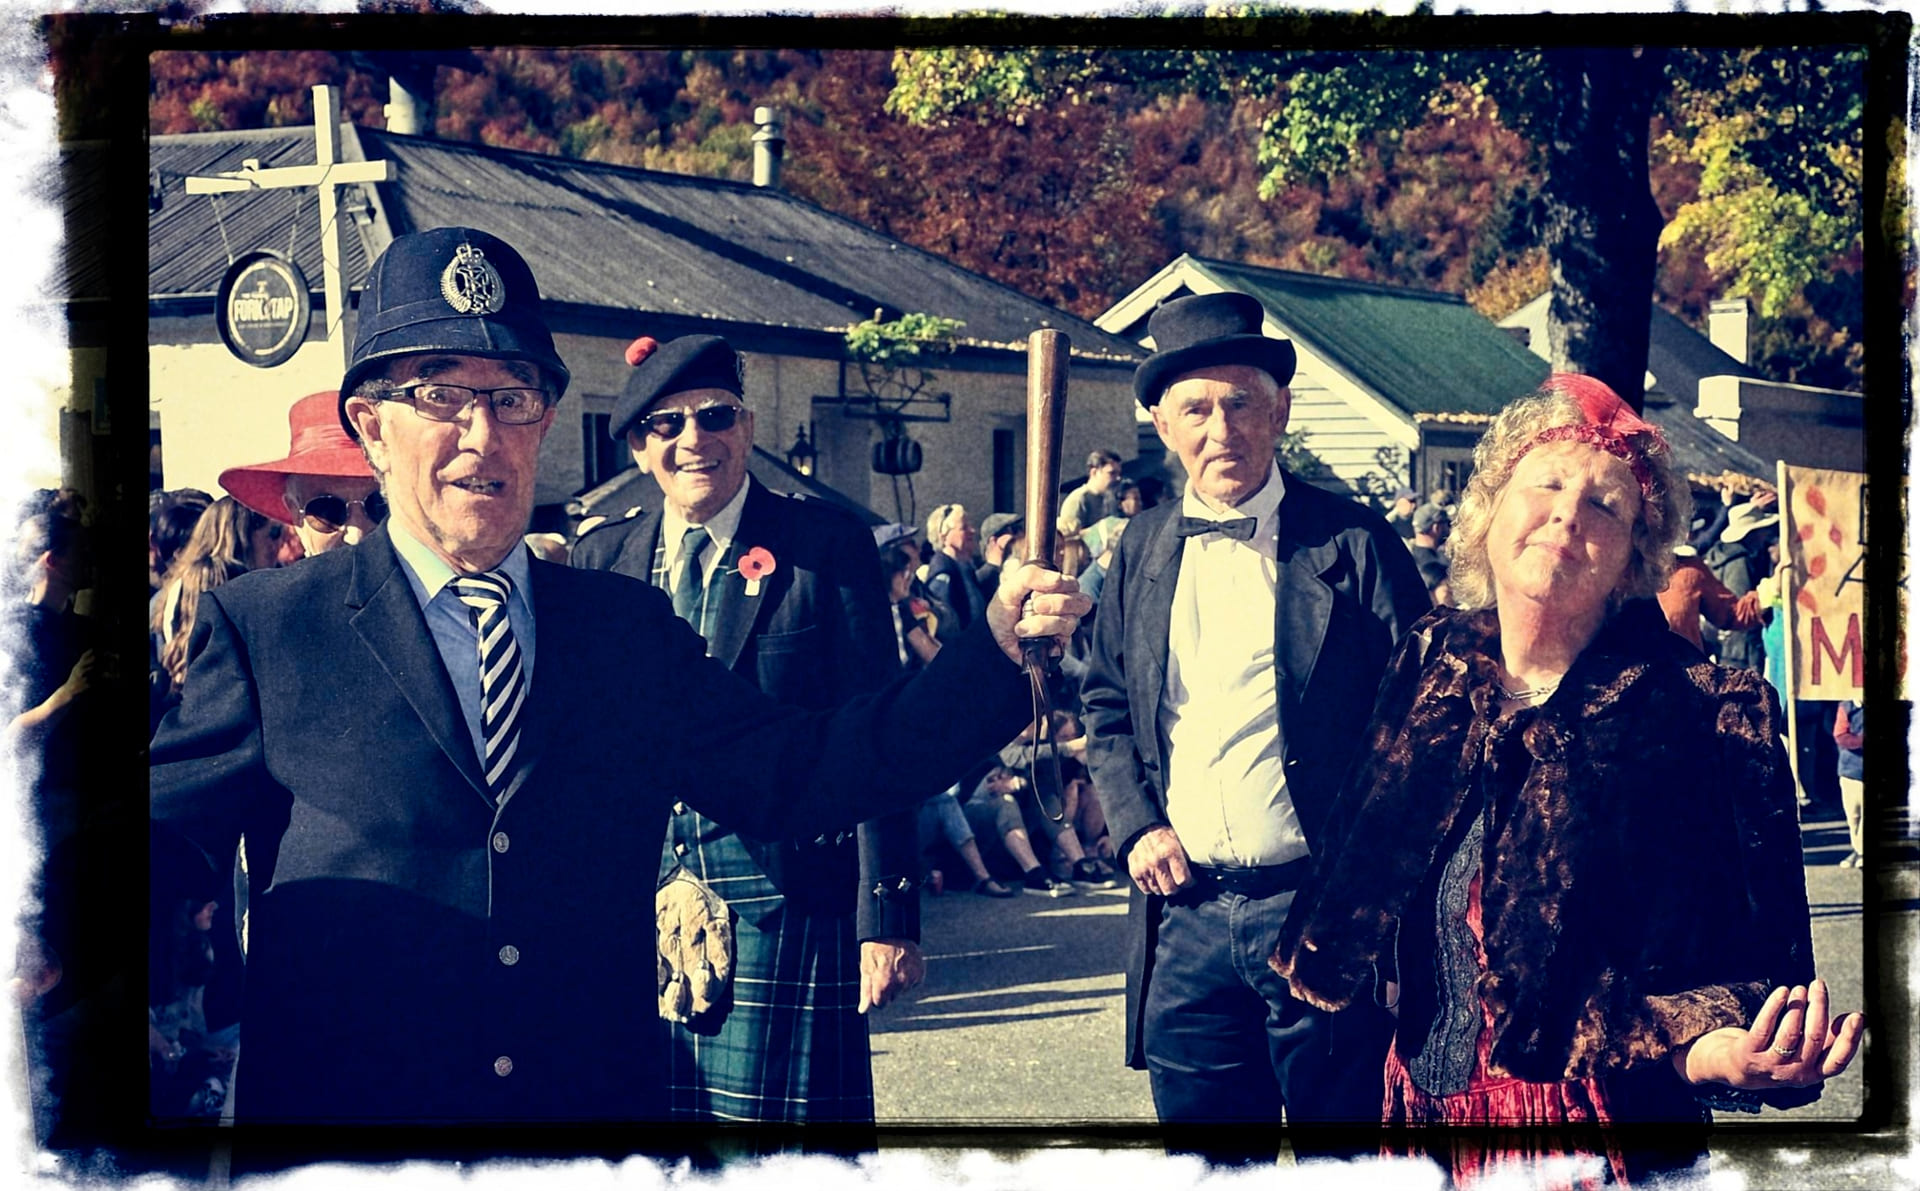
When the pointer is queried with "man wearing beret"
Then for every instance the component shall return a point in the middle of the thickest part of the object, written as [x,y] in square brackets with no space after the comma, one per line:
[1217,757]
[452,762]
[787,594]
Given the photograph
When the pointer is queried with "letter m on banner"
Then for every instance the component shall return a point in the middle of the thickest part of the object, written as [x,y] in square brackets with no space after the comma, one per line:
[1826,540]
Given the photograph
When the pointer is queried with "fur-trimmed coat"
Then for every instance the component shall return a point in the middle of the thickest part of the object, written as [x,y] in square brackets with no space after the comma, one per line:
[1643,883]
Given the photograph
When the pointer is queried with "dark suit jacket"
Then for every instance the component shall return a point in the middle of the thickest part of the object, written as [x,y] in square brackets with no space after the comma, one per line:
[818,632]
[387,888]
[953,584]
[1347,590]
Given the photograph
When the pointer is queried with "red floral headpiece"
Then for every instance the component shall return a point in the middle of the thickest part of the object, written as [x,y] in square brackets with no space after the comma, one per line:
[1610,424]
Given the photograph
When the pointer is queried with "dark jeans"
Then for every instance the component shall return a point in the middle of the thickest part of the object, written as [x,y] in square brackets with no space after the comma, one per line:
[1228,1047]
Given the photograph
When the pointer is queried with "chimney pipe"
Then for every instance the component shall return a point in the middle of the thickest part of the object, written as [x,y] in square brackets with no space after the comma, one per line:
[1727,327]
[769,146]
[409,109]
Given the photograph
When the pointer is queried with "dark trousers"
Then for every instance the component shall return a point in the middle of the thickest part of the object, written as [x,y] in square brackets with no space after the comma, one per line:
[1228,1048]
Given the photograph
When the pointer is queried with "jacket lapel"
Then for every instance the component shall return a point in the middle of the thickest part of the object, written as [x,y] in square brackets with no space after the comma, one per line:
[1150,621]
[737,609]
[636,555]
[388,618]
[1303,603]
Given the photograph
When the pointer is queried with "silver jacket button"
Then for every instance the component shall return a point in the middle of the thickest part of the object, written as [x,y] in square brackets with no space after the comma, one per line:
[509,955]
[503,1066]
[500,841]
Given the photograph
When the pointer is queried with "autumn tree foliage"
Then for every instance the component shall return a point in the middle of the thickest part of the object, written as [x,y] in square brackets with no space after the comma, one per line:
[1439,180]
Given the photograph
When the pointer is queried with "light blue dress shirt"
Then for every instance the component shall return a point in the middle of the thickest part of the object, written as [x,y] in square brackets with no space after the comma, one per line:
[450,622]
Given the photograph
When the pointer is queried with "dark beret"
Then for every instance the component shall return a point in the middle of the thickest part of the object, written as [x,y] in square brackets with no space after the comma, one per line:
[689,362]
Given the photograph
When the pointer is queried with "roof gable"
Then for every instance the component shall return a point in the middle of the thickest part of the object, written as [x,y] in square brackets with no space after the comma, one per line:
[1424,352]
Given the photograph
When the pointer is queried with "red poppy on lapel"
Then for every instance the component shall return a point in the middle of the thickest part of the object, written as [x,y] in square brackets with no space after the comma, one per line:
[757,563]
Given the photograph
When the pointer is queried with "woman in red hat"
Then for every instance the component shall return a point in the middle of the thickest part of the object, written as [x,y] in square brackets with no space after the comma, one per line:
[1570,860]
[323,488]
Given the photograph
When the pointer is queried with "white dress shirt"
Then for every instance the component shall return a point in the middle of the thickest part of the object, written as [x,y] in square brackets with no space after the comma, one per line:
[1227,794]
[721,527]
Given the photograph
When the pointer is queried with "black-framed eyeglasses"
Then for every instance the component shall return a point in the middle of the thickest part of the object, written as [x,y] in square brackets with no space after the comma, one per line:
[714,419]
[328,513]
[439,402]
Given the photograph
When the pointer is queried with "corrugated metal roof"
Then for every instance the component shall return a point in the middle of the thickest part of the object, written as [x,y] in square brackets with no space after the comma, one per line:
[189,239]
[602,236]
[1424,352]
[671,243]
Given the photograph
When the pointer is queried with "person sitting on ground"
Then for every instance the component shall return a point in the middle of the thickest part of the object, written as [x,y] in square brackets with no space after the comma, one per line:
[994,813]
[1067,856]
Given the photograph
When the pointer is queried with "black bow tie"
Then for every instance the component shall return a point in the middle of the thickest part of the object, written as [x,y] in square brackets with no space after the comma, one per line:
[1240,529]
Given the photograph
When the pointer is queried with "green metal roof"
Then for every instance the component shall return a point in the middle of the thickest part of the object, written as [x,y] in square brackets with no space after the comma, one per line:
[1427,353]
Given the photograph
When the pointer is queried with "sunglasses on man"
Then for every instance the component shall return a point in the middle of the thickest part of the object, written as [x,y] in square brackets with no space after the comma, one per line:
[328,513]
[714,419]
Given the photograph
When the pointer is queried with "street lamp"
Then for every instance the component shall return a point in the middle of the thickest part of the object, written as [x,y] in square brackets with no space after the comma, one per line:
[800,455]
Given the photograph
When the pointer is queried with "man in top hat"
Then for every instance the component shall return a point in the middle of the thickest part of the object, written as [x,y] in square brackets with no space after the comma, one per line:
[1217,756]
[788,594]
[323,488]
[452,762]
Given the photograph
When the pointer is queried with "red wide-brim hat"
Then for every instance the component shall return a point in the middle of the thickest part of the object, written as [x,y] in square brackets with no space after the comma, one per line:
[319,447]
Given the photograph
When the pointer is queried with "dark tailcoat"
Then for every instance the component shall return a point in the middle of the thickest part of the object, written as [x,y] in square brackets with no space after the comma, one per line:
[1346,592]
[419,954]
[793,1046]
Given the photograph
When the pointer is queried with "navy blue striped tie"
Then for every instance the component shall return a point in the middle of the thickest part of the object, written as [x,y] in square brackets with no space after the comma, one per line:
[502,686]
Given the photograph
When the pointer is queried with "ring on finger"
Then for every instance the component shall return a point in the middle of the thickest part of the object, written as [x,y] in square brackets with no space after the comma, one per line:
[1786,1050]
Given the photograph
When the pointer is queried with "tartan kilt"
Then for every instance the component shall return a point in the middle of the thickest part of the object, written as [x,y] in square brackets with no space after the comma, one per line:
[794,1047]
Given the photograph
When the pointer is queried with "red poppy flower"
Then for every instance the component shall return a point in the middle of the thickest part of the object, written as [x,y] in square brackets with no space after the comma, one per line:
[757,563]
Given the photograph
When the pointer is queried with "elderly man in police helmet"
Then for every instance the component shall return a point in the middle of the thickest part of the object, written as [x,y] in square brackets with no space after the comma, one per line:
[788,594]
[453,763]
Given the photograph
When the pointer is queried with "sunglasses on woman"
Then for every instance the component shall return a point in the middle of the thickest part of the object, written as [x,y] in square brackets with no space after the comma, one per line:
[714,419]
[328,513]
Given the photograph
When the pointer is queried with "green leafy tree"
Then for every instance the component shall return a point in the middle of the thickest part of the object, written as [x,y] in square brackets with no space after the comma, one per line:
[1585,113]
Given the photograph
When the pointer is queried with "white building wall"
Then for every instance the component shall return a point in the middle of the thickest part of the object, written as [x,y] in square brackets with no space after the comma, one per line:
[216,412]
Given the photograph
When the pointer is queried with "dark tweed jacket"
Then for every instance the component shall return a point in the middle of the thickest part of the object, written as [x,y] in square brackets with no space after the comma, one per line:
[1644,887]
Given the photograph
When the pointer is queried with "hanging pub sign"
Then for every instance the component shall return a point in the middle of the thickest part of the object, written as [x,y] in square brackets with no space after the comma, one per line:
[262,308]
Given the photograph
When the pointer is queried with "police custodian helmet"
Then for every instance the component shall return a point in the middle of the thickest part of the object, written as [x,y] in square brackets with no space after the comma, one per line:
[450,289]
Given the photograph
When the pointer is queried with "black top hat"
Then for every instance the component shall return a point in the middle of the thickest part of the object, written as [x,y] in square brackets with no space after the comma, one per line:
[450,289]
[1203,329]
[689,362]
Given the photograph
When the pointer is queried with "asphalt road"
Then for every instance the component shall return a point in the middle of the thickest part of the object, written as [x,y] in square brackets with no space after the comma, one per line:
[1020,1021]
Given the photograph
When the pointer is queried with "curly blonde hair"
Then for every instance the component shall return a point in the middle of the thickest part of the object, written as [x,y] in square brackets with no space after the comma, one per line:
[1665,510]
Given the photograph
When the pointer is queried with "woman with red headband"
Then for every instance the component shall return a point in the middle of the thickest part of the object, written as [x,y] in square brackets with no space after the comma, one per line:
[1570,862]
